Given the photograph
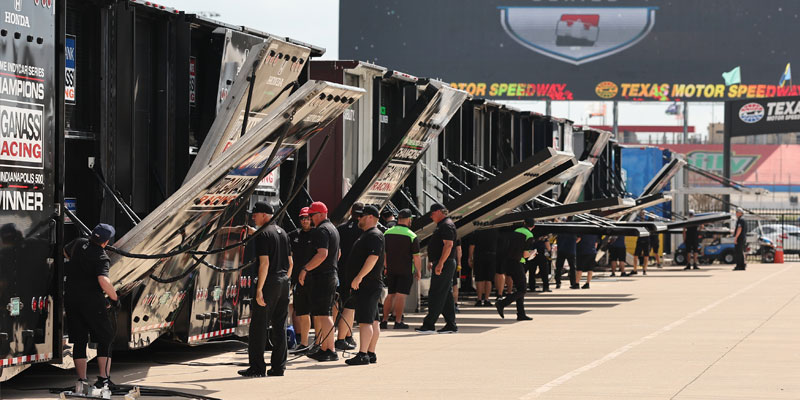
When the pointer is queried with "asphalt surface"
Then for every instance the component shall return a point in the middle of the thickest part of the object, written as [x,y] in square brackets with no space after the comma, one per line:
[674,334]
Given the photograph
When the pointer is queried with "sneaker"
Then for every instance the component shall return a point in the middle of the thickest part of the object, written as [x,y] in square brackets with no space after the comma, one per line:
[688,267]
[547,290]
[738,269]
[633,273]
[400,325]
[499,308]
[658,265]
[384,324]
[695,267]
[391,317]
[324,355]
[274,372]
[312,349]
[103,382]
[523,318]
[350,342]
[487,303]
[341,344]
[585,286]
[448,329]
[644,272]
[576,286]
[478,303]
[613,274]
[624,274]
[372,357]
[558,285]
[359,359]
[249,373]
[425,330]
[301,348]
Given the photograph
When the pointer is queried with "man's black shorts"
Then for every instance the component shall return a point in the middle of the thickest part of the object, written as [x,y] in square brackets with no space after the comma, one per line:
[642,249]
[585,262]
[485,267]
[302,300]
[654,245]
[399,283]
[500,264]
[366,300]
[691,246]
[85,316]
[617,253]
[322,293]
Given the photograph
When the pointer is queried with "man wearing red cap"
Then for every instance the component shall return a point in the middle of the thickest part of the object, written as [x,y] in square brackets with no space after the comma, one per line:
[302,251]
[321,273]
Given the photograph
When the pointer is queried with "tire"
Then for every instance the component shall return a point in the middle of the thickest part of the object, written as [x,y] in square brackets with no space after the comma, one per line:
[768,257]
[680,259]
[727,258]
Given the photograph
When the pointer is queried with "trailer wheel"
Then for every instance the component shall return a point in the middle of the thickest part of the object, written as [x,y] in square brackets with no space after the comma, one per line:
[727,257]
[768,257]
[680,258]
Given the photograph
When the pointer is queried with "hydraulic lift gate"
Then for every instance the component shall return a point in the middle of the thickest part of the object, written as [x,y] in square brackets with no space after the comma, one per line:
[396,159]
[31,122]
[188,216]
[562,211]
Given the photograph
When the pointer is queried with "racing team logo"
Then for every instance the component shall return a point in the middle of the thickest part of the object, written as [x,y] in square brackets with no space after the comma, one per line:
[606,90]
[751,113]
[577,35]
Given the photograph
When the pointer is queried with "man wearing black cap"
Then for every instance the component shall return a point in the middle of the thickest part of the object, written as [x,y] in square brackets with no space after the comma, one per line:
[403,265]
[442,254]
[302,251]
[387,219]
[85,305]
[348,234]
[519,247]
[740,238]
[364,268]
[271,295]
[321,270]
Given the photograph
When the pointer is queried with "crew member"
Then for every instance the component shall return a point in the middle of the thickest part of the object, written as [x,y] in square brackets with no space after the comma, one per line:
[387,219]
[271,304]
[302,251]
[655,247]
[349,232]
[321,271]
[403,266]
[500,264]
[566,253]
[617,255]
[519,246]
[457,273]
[441,251]
[541,262]
[641,252]
[587,250]
[85,305]
[690,242]
[740,238]
[367,259]
[483,260]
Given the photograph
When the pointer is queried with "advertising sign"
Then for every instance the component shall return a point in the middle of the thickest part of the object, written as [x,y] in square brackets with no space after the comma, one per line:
[70,70]
[651,50]
[759,116]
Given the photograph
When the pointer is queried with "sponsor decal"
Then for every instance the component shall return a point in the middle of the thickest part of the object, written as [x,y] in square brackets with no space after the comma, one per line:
[17,200]
[17,19]
[713,161]
[751,113]
[270,182]
[70,203]
[606,90]
[577,35]
[192,80]
[782,111]
[69,64]
[21,136]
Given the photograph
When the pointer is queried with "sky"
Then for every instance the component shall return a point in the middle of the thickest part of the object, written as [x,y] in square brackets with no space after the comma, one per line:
[317,22]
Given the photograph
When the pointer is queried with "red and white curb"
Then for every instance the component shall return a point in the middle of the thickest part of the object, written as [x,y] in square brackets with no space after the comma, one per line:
[152,327]
[24,359]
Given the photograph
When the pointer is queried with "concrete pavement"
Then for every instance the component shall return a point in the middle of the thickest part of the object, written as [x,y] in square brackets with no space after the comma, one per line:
[707,334]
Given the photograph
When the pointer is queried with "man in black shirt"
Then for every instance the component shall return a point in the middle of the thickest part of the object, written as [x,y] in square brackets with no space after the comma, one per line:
[567,245]
[403,266]
[271,295]
[642,251]
[483,260]
[86,307]
[691,245]
[302,251]
[349,232]
[387,219]
[740,238]
[519,246]
[441,251]
[541,262]
[321,274]
[587,252]
[365,266]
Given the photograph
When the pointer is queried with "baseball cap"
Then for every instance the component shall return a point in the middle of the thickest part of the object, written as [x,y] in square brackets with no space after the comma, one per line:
[386,212]
[262,207]
[739,210]
[405,213]
[530,222]
[304,212]
[317,207]
[370,210]
[357,208]
[102,233]
[437,207]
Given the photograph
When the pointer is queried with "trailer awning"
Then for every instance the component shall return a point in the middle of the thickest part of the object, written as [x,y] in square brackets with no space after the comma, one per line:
[699,220]
[582,228]
[641,203]
[565,210]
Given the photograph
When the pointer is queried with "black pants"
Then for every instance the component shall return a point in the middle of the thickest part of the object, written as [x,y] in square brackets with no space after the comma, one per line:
[276,295]
[570,258]
[738,253]
[517,273]
[544,265]
[440,297]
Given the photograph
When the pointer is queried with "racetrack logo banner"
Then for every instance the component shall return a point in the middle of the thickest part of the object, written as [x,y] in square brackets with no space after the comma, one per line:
[577,35]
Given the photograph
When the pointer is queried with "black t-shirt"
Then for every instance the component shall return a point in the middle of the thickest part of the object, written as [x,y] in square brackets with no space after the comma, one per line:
[588,244]
[518,242]
[401,245]
[325,236]
[348,234]
[383,226]
[691,234]
[485,241]
[370,243]
[566,243]
[742,236]
[274,242]
[87,262]
[445,230]
[302,250]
